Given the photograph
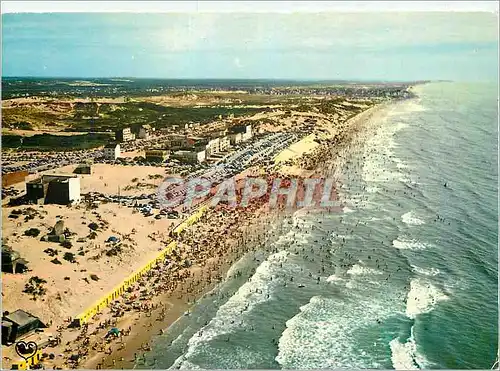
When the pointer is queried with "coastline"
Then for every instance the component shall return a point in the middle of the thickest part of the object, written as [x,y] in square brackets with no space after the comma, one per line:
[125,358]
[145,328]
[166,306]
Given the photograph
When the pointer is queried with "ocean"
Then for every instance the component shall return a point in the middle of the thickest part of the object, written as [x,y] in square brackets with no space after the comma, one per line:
[404,278]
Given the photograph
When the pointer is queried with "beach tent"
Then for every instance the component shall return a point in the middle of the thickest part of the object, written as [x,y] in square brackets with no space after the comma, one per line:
[114,331]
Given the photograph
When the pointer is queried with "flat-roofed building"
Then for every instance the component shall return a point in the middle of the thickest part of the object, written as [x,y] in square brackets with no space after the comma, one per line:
[124,135]
[143,131]
[235,138]
[17,324]
[224,143]
[190,156]
[244,130]
[177,141]
[83,169]
[111,151]
[156,155]
[60,189]
[212,147]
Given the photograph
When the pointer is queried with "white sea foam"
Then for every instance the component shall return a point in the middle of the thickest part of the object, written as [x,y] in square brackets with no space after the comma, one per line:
[404,356]
[341,236]
[357,269]
[414,106]
[324,334]
[186,365]
[400,164]
[347,210]
[411,219]
[372,189]
[426,271]
[379,148]
[334,278]
[422,297]
[407,244]
[236,309]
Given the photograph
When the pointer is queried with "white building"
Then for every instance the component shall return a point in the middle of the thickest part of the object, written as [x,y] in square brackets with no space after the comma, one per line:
[74,190]
[112,151]
[247,135]
[224,143]
[245,132]
[194,156]
[54,189]
[235,138]
[212,146]
[124,135]
[144,132]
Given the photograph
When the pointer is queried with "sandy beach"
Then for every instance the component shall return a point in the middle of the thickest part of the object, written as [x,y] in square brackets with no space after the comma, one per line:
[206,252]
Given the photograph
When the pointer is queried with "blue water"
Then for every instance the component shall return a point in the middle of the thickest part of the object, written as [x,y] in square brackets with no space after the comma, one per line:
[405,278]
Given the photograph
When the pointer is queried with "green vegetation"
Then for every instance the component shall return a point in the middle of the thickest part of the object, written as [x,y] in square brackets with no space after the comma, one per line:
[49,142]
[26,117]
[159,116]
[104,117]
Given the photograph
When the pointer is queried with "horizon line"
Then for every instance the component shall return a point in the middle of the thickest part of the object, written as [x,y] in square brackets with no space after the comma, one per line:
[217,78]
[13,7]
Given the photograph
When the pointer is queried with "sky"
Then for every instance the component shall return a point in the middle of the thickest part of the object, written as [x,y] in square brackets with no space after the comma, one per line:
[388,46]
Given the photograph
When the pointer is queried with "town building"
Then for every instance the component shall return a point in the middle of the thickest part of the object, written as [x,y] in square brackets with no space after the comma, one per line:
[235,138]
[244,130]
[156,155]
[224,143]
[143,131]
[17,324]
[212,146]
[124,135]
[54,189]
[177,141]
[111,151]
[190,156]
[194,141]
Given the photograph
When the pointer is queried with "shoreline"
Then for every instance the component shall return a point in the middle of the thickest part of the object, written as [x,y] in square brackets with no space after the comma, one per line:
[128,353]
[146,328]
[166,306]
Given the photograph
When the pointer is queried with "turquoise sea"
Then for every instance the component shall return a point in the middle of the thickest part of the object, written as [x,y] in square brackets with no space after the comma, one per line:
[404,278]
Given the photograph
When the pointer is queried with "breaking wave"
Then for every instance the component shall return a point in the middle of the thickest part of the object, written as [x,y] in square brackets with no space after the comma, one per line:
[410,219]
[404,356]
[422,297]
[407,244]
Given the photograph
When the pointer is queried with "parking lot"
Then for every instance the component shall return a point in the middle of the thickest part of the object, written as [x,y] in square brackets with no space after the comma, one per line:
[259,151]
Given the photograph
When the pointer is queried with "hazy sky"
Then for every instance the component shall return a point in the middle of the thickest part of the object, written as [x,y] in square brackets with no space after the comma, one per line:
[375,46]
